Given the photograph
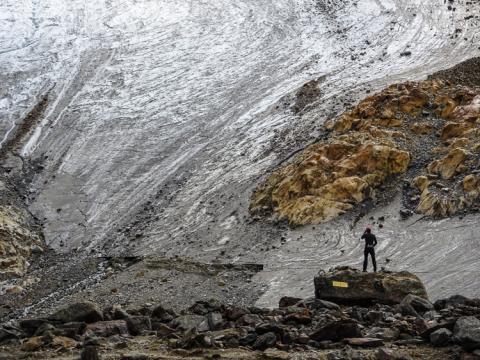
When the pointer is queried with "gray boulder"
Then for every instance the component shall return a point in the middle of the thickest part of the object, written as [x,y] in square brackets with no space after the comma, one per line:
[187,322]
[441,337]
[138,324]
[466,333]
[414,305]
[85,311]
[348,285]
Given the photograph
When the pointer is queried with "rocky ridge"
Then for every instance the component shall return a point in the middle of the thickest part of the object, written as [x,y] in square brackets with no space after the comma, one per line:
[420,138]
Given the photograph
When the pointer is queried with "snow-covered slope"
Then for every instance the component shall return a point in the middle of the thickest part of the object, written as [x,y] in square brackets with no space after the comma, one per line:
[163,115]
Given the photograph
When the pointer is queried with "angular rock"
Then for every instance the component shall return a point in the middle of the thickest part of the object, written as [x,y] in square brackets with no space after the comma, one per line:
[213,321]
[317,304]
[419,304]
[348,285]
[83,311]
[138,324]
[204,307]
[466,333]
[265,341]
[163,314]
[441,337]
[337,331]
[287,301]
[186,322]
[115,312]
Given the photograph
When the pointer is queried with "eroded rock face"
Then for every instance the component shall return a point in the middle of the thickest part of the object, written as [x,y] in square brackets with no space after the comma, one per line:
[344,284]
[17,241]
[416,131]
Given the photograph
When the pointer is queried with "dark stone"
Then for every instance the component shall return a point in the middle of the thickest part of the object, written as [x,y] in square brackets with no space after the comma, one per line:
[466,333]
[138,324]
[115,312]
[317,304]
[337,331]
[418,304]
[234,313]
[348,285]
[287,301]
[205,307]
[163,314]
[269,327]
[265,341]
[71,330]
[248,340]
[441,337]
[454,300]
[29,326]
[83,312]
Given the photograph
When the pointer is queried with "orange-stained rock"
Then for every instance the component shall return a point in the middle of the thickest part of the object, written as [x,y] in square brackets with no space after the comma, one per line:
[63,342]
[387,136]
[422,128]
[470,183]
[447,166]
[32,344]
[421,182]
[454,129]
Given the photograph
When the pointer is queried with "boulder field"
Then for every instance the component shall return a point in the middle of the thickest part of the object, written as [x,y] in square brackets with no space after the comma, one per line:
[417,138]
[394,324]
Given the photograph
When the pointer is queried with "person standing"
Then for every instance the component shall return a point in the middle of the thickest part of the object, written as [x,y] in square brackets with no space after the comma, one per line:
[370,243]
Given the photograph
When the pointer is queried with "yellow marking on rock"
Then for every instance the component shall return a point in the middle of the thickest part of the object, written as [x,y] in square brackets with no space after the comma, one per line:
[340,284]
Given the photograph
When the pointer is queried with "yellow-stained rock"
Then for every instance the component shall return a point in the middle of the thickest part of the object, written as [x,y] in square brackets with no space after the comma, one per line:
[447,166]
[470,183]
[32,344]
[63,342]
[421,182]
[422,128]
[386,135]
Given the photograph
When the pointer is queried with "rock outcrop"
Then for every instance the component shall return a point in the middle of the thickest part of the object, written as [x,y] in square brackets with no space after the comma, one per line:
[18,239]
[414,131]
[348,285]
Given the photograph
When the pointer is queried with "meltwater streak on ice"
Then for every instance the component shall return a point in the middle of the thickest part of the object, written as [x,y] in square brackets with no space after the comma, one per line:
[167,123]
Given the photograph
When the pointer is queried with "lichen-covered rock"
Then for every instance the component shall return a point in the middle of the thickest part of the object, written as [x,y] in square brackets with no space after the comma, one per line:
[417,130]
[344,284]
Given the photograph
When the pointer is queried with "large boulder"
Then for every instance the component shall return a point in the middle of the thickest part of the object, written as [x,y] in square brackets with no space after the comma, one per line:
[467,333]
[85,311]
[348,285]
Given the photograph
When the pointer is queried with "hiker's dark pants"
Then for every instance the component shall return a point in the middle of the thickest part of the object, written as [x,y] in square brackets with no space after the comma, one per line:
[370,251]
